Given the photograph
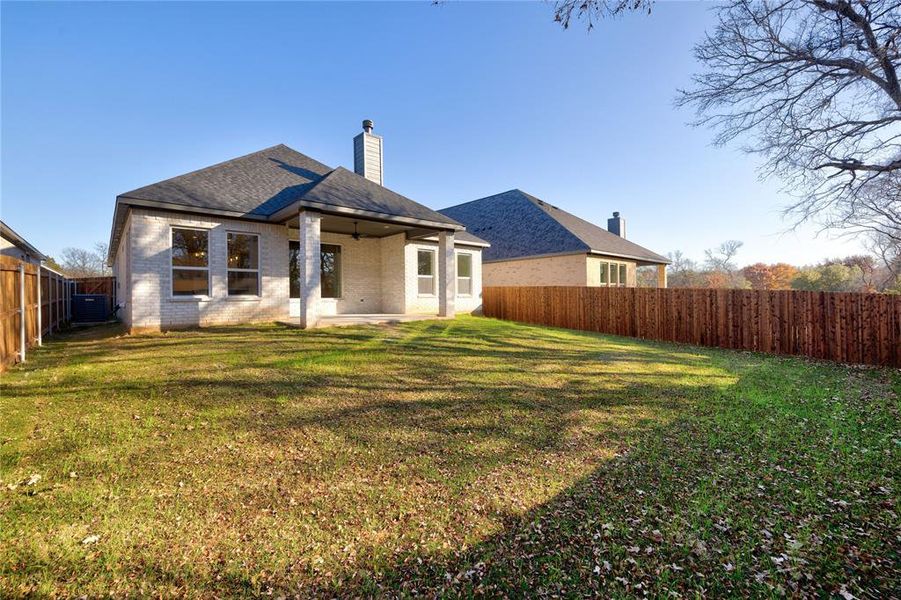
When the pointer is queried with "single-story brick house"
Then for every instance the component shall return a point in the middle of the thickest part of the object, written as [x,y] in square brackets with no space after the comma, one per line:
[535,243]
[277,235]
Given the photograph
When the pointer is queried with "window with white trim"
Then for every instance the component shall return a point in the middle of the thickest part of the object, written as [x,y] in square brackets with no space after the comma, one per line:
[243,264]
[329,270]
[613,274]
[190,262]
[464,274]
[425,272]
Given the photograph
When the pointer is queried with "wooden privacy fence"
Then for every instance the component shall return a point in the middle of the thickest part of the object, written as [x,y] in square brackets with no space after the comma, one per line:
[95,285]
[29,310]
[845,327]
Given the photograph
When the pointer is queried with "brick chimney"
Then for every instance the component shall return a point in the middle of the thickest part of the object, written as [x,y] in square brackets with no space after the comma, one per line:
[617,225]
[368,154]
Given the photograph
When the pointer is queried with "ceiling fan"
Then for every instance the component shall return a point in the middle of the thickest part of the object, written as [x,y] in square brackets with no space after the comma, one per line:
[356,234]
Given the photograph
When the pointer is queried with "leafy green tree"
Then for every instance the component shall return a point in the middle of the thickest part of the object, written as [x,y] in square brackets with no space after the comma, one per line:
[834,277]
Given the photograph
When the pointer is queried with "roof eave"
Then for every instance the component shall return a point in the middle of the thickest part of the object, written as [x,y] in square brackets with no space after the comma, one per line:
[131,201]
[458,242]
[290,211]
[21,242]
[280,216]
[197,210]
[645,259]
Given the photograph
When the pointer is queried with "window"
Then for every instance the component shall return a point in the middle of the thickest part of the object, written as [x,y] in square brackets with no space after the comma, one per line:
[425,269]
[613,274]
[464,274]
[190,262]
[293,270]
[243,264]
[330,270]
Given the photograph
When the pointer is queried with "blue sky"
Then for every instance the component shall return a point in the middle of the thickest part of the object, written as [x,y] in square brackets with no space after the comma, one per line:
[471,98]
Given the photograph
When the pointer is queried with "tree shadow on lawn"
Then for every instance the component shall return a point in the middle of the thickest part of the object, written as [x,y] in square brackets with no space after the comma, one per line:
[565,450]
[696,506]
[422,391]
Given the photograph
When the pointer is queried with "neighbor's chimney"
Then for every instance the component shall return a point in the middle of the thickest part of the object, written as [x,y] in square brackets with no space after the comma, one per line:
[617,225]
[368,154]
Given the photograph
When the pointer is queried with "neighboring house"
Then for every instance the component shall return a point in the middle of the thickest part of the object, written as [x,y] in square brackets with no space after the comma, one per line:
[277,235]
[535,243]
[13,244]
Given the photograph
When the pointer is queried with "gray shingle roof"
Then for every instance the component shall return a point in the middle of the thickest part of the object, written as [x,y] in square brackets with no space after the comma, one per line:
[261,184]
[519,225]
[345,189]
[256,184]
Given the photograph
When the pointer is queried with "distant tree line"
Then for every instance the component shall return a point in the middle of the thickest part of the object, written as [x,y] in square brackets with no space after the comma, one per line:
[80,262]
[856,273]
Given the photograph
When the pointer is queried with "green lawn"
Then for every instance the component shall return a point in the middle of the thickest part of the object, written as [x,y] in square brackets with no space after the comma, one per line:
[451,458]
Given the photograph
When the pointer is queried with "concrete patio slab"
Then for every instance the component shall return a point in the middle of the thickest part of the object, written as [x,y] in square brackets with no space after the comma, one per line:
[365,319]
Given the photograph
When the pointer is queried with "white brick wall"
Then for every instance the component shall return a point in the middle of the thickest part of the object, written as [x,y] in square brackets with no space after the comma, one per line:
[153,306]
[122,270]
[417,304]
[394,297]
[378,275]
[361,274]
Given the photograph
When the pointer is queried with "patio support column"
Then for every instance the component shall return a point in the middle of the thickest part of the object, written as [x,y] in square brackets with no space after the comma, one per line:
[447,274]
[661,276]
[308,266]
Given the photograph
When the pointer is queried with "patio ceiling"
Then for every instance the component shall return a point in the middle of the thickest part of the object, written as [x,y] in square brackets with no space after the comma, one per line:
[369,228]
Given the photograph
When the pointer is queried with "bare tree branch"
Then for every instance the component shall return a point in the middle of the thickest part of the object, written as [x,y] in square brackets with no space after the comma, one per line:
[812,86]
[591,11]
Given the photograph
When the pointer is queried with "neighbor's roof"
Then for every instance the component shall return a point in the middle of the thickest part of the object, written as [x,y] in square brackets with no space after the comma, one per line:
[519,225]
[7,233]
[260,185]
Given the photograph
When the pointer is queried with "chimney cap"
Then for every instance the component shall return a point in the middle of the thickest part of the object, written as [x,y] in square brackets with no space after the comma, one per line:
[616,213]
[368,125]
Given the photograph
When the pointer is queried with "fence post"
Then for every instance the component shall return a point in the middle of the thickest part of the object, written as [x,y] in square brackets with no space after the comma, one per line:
[50,299]
[22,312]
[40,316]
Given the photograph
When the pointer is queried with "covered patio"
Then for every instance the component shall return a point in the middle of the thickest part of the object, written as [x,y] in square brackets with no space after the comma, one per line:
[356,268]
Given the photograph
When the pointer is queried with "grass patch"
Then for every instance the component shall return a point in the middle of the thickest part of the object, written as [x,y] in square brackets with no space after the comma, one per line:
[450,458]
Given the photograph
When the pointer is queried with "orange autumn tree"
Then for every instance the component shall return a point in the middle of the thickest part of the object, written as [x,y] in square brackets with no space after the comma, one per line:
[758,275]
[770,277]
[781,275]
